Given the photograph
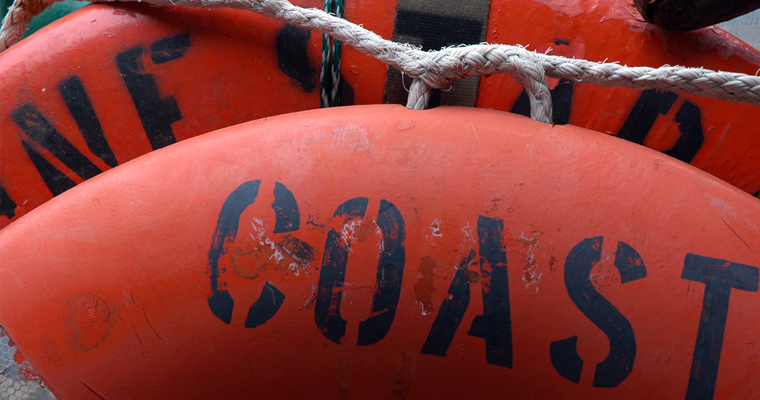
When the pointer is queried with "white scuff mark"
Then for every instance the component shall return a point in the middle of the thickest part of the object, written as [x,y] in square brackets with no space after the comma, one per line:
[276,253]
[348,233]
[260,229]
[380,242]
[436,227]
[472,126]
[269,287]
[312,298]
[424,313]
[294,267]
[435,230]
[531,274]
[467,230]
[258,226]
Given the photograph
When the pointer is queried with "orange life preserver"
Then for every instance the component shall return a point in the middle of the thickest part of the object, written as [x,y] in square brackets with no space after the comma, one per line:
[374,251]
[112,82]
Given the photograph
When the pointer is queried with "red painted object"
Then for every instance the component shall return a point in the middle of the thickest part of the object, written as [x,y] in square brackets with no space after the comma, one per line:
[112,82]
[377,252]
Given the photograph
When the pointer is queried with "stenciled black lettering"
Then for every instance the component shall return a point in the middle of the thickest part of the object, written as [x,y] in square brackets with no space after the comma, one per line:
[288,217]
[689,120]
[291,45]
[653,103]
[79,105]
[39,129]
[619,362]
[156,114]
[7,205]
[451,311]
[495,324]
[265,307]
[640,120]
[169,49]
[719,277]
[41,132]
[333,272]
[56,181]
[220,301]
[390,270]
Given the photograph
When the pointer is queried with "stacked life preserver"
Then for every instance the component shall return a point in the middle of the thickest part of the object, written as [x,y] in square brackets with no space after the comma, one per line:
[112,82]
[375,251]
[125,82]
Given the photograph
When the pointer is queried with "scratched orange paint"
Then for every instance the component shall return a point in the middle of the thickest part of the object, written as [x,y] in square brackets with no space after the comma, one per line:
[447,253]
[147,76]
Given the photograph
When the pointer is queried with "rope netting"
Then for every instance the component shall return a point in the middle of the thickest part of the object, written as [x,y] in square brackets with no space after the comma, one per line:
[438,69]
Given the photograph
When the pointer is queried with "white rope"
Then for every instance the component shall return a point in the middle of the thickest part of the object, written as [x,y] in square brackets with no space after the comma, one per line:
[419,95]
[437,69]
[17,18]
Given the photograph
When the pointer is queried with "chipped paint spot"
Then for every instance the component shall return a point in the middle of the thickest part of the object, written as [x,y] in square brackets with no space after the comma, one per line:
[553,264]
[472,276]
[301,252]
[423,289]
[404,125]
[250,264]
[88,322]
[531,274]
[348,232]
[402,384]
[258,252]
[435,230]
[365,230]
[602,275]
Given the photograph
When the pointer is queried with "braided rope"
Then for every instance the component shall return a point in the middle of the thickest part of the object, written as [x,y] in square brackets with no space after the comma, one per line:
[17,18]
[437,69]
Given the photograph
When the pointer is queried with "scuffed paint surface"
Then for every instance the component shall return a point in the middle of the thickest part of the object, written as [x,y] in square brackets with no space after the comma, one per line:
[260,252]
[88,322]
[531,275]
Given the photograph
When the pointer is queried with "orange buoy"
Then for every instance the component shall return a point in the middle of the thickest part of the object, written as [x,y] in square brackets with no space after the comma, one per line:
[374,251]
[109,83]
[112,82]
